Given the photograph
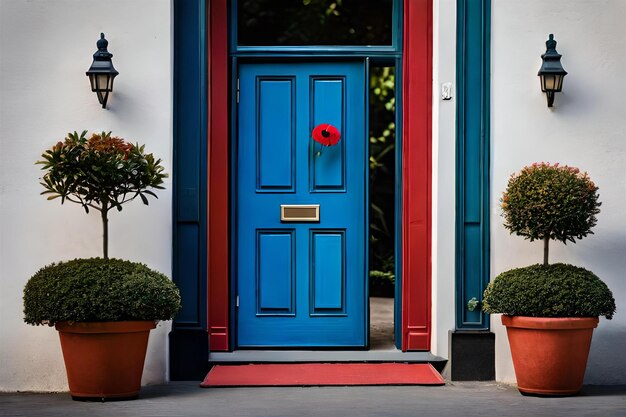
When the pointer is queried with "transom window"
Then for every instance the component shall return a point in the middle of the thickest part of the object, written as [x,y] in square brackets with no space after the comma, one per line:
[315,22]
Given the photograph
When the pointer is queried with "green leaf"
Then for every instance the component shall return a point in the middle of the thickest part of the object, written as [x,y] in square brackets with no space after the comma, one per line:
[99,171]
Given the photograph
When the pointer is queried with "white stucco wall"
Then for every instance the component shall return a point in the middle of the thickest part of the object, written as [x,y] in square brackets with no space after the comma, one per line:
[586,128]
[45,49]
[443,180]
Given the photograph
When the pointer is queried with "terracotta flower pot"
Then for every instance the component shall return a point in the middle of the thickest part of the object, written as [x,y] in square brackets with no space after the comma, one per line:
[549,354]
[104,360]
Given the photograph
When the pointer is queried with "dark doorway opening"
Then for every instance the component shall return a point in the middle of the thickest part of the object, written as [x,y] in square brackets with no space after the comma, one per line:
[382,176]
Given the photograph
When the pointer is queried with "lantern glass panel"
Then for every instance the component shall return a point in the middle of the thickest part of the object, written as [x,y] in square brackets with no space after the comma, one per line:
[92,81]
[558,82]
[102,82]
[548,82]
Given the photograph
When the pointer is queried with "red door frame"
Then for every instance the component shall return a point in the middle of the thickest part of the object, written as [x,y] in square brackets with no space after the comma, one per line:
[416,176]
[217,200]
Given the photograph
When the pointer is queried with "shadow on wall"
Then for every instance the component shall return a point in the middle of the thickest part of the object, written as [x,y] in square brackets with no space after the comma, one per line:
[126,110]
[606,365]
[605,257]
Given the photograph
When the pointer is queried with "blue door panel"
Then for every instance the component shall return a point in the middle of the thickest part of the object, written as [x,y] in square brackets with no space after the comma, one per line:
[301,284]
[327,272]
[327,104]
[276,274]
[276,134]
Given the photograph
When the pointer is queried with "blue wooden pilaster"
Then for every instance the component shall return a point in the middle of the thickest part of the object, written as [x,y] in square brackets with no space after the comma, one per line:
[472,160]
[189,338]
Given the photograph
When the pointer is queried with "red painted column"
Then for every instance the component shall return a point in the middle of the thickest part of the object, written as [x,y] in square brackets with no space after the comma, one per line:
[218,218]
[416,177]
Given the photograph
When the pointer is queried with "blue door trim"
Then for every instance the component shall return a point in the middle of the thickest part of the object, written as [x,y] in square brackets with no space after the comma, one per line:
[234,149]
[472,160]
[189,337]
[398,212]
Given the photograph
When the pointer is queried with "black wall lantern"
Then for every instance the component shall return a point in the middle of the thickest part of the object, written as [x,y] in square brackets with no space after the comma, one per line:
[551,72]
[101,73]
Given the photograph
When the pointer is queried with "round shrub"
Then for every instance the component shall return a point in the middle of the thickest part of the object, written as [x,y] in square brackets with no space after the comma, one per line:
[88,290]
[550,201]
[557,290]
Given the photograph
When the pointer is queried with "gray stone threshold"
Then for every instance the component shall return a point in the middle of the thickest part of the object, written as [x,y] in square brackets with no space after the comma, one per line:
[290,356]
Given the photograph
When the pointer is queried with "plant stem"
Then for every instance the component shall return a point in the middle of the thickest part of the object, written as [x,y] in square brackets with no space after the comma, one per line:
[105,230]
[546,243]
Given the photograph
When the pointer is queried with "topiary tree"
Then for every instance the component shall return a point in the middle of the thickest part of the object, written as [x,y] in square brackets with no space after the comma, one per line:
[545,202]
[101,173]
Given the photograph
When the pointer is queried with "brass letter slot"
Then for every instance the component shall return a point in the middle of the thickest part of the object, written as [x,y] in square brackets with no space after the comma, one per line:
[299,213]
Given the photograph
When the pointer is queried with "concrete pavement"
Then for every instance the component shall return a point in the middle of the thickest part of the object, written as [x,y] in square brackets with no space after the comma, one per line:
[454,399]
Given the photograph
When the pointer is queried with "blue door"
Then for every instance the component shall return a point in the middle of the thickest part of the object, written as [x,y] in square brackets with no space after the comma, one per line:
[301,213]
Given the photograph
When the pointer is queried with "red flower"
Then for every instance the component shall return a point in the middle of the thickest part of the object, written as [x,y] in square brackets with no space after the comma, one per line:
[327,135]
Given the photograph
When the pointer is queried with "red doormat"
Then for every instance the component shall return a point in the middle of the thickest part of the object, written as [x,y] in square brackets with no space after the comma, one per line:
[316,374]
